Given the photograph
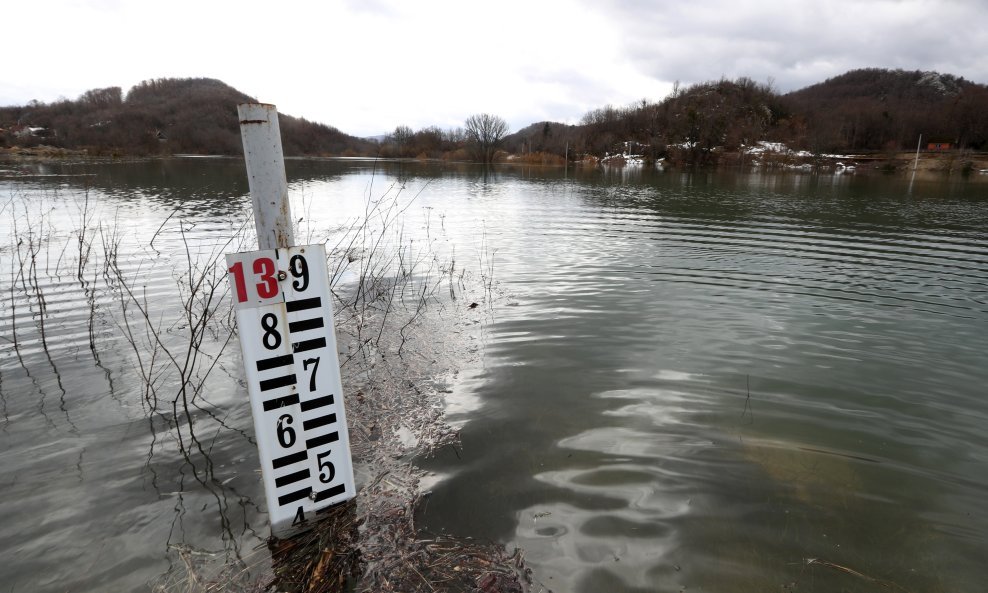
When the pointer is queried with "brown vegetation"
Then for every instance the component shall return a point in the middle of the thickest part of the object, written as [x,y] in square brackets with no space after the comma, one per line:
[428,143]
[161,116]
[537,158]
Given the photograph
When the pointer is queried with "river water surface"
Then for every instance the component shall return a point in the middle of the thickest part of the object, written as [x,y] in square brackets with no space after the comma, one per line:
[686,381]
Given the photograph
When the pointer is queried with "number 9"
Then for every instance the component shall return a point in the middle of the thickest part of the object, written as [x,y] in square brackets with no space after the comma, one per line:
[299,269]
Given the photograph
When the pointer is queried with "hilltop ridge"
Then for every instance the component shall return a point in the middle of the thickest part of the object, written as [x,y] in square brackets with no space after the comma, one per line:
[870,109]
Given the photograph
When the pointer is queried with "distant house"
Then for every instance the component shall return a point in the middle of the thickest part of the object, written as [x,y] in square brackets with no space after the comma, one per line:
[939,145]
[30,132]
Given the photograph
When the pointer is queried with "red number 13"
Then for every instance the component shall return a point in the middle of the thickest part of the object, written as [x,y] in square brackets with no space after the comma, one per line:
[264,269]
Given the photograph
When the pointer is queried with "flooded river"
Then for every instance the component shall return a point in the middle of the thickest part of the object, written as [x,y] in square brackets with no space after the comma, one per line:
[681,381]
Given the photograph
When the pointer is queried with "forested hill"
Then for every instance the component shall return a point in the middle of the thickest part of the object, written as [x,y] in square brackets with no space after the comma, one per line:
[877,109]
[162,116]
[862,110]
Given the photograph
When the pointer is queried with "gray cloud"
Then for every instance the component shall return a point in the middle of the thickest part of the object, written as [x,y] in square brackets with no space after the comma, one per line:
[798,42]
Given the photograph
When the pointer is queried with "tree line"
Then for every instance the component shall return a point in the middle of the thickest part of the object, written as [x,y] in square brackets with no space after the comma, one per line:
[863,110]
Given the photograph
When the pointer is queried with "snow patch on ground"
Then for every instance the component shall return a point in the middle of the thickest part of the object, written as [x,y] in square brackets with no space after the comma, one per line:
[623,160]
[779,148]
[628,157]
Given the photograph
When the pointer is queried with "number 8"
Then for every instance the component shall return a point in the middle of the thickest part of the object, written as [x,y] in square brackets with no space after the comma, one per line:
[271,338]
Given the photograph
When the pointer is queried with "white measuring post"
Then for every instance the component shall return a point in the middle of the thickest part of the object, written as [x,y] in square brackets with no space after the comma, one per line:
[285,318]
[265,160]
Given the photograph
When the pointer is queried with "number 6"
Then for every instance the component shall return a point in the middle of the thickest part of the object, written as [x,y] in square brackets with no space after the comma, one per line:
[286,434]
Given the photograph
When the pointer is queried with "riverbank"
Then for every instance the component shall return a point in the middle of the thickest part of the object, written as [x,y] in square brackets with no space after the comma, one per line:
[41,150]
[943,163]
[766,155]
[776,156]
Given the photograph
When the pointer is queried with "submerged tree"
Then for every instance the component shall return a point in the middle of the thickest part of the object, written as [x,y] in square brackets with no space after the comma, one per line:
[484,133]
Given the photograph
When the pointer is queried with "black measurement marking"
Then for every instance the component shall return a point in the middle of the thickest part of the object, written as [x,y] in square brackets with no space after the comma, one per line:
[280,462]
[266,364]
[312,404]
[291,478]
[306,345]
[330,492]
[284,381]
[293,496]
[304,324]
[322,440]
[303,304]
[280,402]
[317,422]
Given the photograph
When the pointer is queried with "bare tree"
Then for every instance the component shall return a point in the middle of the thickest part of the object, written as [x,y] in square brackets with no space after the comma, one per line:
[401,135]
[484,133]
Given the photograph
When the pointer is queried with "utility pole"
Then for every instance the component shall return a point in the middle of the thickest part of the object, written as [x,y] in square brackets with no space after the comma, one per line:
[916,162]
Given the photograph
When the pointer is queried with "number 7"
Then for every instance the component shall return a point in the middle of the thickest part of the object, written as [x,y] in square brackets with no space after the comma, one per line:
[312,377]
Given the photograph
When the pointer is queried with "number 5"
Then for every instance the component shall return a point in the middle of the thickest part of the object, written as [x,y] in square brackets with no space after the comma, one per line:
[325,464]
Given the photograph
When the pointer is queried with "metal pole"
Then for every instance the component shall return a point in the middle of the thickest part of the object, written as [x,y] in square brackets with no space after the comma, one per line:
[918,144]
[266,175]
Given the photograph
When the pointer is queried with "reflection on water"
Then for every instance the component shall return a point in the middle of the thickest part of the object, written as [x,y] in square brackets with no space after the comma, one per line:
[696,380]
[710,379]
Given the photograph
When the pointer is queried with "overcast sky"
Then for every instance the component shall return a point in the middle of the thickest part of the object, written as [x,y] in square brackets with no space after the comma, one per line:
[366,66]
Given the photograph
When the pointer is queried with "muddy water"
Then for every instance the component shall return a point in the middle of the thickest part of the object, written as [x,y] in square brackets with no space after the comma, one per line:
[685,381]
